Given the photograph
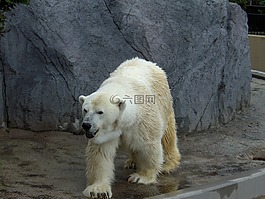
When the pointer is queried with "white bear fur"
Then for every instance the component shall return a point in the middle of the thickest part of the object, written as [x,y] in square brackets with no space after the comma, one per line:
[147,130]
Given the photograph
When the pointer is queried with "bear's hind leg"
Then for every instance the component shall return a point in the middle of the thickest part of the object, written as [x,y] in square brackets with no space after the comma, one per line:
[170,148]
[131,162]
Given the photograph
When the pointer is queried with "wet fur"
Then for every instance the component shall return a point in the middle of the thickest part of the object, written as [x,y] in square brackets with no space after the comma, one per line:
[147,131]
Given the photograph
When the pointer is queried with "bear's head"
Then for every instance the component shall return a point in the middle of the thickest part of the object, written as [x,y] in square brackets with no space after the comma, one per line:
[101,114]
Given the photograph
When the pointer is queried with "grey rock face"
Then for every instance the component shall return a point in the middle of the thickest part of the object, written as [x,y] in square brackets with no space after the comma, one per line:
[56,50]
[2,98]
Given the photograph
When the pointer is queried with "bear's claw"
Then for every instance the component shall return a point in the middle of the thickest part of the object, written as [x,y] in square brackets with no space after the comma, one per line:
[98,191]
[130,164]
[136,178]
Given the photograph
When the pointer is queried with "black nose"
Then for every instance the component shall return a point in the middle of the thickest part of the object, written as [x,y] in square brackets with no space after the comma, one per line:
[86,126]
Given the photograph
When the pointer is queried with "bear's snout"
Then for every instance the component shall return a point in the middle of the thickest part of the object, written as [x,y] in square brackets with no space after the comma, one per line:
[86,126]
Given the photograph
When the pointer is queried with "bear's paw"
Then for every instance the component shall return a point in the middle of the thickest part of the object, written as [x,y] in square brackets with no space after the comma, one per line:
[140,179]
[98,191]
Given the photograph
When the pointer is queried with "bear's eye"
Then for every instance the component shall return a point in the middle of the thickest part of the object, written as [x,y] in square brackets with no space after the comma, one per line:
[85,110]
[100,112]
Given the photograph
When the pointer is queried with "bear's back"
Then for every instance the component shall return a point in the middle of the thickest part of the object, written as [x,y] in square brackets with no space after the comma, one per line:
[138,69]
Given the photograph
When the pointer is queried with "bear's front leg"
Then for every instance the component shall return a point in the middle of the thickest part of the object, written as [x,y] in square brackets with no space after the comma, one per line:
[149,162]
[100,169]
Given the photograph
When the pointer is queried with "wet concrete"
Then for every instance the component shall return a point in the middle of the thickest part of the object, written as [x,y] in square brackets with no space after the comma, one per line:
[249,185]
[52,164]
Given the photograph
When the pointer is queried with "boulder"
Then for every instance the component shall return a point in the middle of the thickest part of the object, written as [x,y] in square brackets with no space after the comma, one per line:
[53,51]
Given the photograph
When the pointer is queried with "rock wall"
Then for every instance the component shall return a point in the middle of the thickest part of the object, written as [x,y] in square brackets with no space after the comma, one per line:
[2,98]
[54,51]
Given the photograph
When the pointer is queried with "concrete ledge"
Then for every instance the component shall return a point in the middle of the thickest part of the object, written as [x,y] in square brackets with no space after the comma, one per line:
[246,186]
[258,74]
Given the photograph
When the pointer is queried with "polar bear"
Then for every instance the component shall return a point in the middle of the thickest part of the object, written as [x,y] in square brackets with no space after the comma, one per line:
[132,109]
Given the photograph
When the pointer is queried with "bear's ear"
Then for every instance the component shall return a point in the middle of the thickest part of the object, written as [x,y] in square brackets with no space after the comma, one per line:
[81,99]
[122,104]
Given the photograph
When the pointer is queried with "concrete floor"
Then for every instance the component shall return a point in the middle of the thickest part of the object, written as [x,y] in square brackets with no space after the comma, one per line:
[52,164]
[247,185]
